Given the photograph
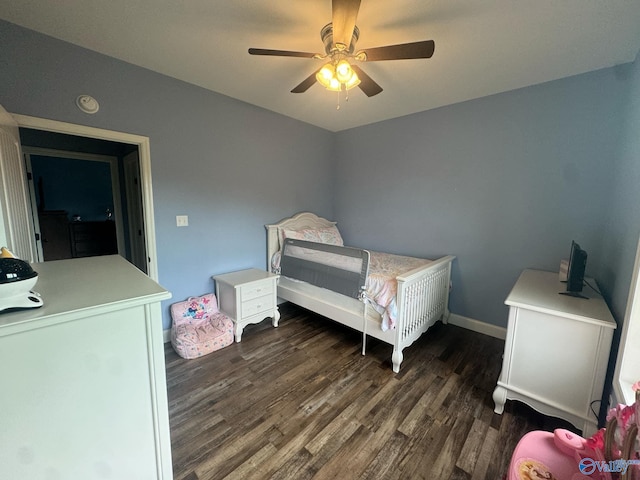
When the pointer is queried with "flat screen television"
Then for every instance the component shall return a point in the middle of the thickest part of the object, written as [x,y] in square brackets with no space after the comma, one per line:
[575,271]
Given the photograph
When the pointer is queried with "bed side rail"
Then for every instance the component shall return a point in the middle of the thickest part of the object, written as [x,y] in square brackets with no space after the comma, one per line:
[340,269]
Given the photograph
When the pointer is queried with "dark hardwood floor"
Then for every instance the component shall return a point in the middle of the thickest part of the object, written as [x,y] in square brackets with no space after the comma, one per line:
[300,402]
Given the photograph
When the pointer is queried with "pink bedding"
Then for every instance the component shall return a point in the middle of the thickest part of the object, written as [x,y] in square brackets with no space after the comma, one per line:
[382,285]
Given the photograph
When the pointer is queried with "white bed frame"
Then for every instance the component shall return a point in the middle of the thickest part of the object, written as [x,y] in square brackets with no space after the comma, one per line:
[422,296]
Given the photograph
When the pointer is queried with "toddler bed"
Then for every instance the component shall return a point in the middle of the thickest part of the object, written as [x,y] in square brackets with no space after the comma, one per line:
[389,297]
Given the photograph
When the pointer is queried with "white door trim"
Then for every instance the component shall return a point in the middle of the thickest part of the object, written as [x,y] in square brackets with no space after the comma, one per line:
[145,169]
[16,227]
[626,371]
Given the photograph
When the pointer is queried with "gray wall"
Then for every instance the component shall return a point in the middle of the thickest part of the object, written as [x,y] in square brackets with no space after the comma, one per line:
[230,166]
[621,227]
[503,182]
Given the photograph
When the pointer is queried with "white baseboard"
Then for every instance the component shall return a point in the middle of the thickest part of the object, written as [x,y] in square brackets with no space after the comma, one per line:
[478,326]
[454,319]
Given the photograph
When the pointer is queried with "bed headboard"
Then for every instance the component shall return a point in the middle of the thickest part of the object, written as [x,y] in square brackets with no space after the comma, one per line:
[299,221]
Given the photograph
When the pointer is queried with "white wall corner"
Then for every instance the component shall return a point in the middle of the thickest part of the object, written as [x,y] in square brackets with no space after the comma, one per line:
[622,392]
[478,326]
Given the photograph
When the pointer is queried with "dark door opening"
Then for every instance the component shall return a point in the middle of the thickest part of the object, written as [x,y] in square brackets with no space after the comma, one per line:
[85,195]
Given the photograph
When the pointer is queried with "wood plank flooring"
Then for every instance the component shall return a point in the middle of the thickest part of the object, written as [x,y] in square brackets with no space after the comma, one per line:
[300,402]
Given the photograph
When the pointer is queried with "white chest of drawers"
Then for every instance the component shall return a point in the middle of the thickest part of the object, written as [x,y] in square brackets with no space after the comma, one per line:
[83,379]
[248,296]
[556,351]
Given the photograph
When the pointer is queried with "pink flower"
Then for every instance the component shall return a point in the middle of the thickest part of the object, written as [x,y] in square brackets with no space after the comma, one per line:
[625,415]
[596,441]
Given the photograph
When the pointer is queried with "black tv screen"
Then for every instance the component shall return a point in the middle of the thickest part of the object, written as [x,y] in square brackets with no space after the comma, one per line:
[575,273]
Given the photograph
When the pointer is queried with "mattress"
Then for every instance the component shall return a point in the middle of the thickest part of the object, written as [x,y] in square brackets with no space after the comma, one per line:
[381,284]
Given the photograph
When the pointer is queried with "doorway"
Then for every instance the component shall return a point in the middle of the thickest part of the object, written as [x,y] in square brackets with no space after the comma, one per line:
[77,199]
[133,172]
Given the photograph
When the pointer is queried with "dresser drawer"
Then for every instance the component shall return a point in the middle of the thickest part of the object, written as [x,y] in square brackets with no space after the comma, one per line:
[256,289]
[257,305]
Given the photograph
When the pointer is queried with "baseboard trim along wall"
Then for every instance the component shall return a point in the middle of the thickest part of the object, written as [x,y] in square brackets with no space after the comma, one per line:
[478,326]
[454,319]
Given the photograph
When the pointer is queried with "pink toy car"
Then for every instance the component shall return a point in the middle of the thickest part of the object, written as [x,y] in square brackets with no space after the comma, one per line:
[612,453]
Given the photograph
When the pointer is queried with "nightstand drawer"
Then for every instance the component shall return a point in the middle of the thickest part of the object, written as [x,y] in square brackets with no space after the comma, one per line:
[255,290]
[257,305]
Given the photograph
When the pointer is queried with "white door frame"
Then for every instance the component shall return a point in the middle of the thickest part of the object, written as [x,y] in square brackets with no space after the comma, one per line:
[626,371]
[145,169]
[16,227]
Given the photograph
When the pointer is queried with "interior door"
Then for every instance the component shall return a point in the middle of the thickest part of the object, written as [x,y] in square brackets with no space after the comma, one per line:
[16,227]
[34,210]
[133,192]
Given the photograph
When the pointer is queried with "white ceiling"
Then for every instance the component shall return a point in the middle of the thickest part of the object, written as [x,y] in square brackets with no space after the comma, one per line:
[482,47]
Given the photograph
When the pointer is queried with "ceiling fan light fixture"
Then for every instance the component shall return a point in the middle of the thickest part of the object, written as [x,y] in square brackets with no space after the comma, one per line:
[326,74]
[338,74]
[337,78]
[354,81]
[344,72]
[334,85]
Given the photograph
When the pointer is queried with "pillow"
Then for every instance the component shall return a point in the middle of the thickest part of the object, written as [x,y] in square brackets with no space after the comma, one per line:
[329,235]
[275,263]
[194,308]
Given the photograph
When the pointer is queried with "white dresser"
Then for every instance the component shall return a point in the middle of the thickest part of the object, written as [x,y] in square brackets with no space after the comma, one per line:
[83,384]
[556,350]
[248,296]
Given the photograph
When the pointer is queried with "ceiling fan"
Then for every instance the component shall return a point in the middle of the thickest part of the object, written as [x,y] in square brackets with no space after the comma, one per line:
[340,38]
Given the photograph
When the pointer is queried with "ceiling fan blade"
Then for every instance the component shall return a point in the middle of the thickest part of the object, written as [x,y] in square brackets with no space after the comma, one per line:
[306,83]
[367,85]
[280,53]
[345,13]
[403,51]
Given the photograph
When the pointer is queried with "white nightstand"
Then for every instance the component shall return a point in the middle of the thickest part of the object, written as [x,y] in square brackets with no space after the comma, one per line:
[248,296]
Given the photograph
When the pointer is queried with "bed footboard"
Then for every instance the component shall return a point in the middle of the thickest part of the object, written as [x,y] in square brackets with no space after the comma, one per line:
[422,300]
